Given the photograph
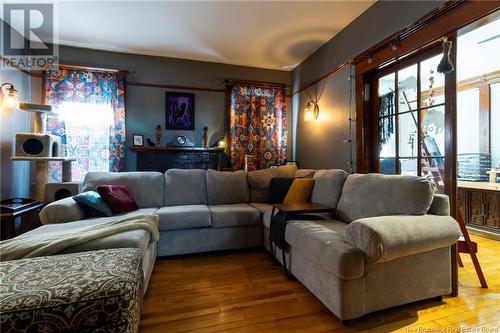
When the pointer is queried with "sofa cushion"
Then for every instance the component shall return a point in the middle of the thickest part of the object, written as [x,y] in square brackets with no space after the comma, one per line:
[146,187]
[265,212]
[440,205]
[98,291]
[233,215]
[328,186]
[260,180]
[369,195]
[304,173]
[139,238]
[227,187]
[184,217]
[185,187]
[322,242]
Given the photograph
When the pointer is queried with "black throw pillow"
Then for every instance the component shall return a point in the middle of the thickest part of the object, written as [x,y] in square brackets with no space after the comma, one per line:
[279,188]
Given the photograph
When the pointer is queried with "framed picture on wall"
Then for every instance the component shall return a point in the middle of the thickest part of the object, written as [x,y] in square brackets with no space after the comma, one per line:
[179,113]
[138,140]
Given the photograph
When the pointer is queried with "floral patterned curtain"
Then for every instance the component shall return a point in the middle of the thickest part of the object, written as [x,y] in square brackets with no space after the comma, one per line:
[90,119]
[257,127]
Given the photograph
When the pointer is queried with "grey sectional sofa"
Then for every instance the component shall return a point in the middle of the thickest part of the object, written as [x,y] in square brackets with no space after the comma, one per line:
[388,243]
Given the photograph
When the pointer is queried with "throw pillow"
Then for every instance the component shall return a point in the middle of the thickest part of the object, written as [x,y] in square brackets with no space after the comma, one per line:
[92,204]
[300,191]
[279,188]
[118,198]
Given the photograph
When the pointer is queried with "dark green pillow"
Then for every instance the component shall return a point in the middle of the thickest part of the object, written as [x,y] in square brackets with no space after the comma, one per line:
[92,204]
[279,188]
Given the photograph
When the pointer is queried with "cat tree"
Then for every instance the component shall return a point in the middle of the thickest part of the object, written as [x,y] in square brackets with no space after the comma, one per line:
[43,148]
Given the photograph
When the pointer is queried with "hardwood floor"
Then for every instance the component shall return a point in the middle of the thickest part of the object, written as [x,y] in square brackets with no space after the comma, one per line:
[246,292]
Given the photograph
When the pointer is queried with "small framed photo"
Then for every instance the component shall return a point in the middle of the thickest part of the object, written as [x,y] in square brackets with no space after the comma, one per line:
[138,140]
[179,113]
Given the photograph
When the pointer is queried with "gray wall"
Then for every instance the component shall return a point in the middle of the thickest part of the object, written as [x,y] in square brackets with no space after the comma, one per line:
[145,106]
[320,143]
[14,176]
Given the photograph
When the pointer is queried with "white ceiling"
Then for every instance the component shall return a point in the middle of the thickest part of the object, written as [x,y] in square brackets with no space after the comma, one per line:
[277,35]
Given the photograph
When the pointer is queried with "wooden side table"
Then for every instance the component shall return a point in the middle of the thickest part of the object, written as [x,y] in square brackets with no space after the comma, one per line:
[291,212]
[10,209]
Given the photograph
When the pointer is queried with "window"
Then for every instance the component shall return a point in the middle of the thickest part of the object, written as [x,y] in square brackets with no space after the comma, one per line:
[478,100]
[90,119]
[87,131]
[411,108]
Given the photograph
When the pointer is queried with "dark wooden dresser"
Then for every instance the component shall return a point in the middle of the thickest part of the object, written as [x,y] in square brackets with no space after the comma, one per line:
[164,158]
[479,203]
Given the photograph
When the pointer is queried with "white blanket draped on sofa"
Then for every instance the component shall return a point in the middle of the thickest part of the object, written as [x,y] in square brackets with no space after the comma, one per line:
[50,243]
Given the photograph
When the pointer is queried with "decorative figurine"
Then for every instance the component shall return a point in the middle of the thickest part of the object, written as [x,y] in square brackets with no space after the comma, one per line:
[158,135]
[205,137]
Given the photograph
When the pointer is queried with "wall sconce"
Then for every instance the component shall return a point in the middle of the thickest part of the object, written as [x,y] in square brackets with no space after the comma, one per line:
[8,96]
[311,111]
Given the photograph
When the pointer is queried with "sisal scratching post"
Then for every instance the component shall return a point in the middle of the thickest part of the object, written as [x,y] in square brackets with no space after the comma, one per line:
[39,122]
[42,169]
[66,171]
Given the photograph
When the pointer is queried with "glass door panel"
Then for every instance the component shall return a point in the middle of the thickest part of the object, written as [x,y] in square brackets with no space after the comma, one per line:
[495,125]
[387,124]
[431,83]
[386,85]
[432,124]
[433,169]
[411,133]
[407,88]
[408,136]
[408,166]
[478,121]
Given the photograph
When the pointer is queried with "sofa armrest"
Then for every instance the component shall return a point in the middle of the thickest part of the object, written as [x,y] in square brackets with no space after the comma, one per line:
[60,211]
[384,238]
[440,205]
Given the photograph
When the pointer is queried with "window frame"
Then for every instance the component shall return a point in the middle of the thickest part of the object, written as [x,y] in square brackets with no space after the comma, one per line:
[395,67]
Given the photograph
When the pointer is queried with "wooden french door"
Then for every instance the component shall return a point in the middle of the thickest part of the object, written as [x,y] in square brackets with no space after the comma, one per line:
[408,112]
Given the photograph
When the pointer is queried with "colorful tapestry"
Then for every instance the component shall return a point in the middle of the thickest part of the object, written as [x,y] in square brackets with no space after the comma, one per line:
[258,128]
[90,119]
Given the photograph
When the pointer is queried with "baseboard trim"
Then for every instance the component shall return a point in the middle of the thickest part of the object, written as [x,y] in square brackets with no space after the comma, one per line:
[484,233]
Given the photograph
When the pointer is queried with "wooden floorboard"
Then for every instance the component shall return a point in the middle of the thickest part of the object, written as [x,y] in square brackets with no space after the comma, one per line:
[246,292]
